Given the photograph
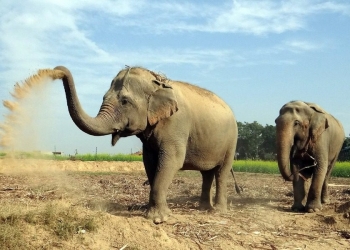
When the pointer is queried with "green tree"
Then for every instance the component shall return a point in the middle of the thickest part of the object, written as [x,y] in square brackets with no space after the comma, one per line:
[256,141]
[345,150]
[268,146]
[346,143]
[249,140]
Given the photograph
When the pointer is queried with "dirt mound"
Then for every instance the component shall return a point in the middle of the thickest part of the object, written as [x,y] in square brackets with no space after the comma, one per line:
[32,165]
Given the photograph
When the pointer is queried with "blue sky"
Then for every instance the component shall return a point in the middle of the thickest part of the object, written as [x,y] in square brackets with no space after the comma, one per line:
[256,55]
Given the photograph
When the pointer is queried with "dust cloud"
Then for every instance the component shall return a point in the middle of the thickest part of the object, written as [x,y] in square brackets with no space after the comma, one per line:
[23,127]
[19,130]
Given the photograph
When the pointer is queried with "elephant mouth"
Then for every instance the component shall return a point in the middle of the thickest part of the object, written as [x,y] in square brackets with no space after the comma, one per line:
[123,133]
[116,136]
[120,133]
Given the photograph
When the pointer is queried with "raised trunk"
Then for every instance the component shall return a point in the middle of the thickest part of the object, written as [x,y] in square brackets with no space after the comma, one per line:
[284,146]
[91,125]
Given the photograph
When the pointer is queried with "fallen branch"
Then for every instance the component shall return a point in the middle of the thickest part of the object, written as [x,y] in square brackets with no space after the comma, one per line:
[123,247]
[9,189]
[338,185]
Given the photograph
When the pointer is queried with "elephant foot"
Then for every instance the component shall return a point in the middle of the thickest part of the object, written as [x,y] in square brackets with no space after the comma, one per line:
[312,210]
[217,208]
[325,200]
[222,208]
[298,208]
[158,214]
[313,207]
[205,205]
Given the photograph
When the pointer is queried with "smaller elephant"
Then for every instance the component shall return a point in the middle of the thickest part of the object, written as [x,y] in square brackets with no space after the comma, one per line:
[308,144]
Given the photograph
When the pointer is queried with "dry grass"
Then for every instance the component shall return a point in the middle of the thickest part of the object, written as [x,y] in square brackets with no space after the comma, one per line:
[110,208]
[60,221]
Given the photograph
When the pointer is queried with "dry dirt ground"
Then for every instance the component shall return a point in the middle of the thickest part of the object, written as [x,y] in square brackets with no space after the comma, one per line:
[115,194]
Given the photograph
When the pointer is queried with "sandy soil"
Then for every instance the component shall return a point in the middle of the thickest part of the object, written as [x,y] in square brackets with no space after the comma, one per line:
[115,193]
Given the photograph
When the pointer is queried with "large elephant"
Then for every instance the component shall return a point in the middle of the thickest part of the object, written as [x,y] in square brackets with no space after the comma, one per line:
[308,144]
[181,126]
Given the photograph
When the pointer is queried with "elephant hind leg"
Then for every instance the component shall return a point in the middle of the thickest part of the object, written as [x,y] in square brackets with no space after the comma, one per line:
[221,175]
[221,190]
[206,196]
[324,192]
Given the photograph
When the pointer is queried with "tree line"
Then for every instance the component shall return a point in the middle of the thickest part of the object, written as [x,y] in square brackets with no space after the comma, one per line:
[256,141]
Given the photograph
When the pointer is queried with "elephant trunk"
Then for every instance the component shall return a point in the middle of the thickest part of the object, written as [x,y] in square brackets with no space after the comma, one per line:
[97,126]
[284,146]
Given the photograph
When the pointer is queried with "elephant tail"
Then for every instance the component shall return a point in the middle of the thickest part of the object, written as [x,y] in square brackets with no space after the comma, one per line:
[238,188]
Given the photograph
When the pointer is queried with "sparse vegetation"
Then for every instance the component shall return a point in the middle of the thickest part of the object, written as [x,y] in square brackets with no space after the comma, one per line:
[341,169]
[61,221]
[84,209]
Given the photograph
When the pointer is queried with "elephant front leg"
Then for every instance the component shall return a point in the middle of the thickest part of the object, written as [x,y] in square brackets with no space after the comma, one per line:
[301,183]
[300,192]
[150,161]
[158,210]
[314,197]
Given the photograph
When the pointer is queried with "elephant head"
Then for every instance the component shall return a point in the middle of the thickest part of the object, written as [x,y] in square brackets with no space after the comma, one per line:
[137,98]
[298,127]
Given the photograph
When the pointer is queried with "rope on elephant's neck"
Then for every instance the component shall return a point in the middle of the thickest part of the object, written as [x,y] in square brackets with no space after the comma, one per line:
[308,145]
[311,166]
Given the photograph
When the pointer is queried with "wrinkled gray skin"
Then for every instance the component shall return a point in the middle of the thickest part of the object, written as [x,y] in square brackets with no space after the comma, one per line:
[305,131]
[180,125]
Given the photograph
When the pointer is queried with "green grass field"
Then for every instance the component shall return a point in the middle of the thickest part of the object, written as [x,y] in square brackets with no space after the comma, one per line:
[83,157]
[341,169]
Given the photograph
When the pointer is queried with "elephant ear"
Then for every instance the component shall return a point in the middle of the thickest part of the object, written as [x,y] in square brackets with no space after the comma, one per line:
[316,107]
[318,125]
[162,104]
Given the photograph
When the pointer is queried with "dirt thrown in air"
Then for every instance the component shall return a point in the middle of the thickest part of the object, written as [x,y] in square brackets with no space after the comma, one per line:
[18,116]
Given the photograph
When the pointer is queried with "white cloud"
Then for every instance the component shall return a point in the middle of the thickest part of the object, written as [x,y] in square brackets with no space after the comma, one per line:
[116,7]
[293,46]
[36,27]
[263,17]
[258,18]
[41,33]
[300,45]
[240,16]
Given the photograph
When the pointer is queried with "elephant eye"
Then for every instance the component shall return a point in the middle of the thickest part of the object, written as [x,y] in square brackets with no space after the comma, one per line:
[124,101]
